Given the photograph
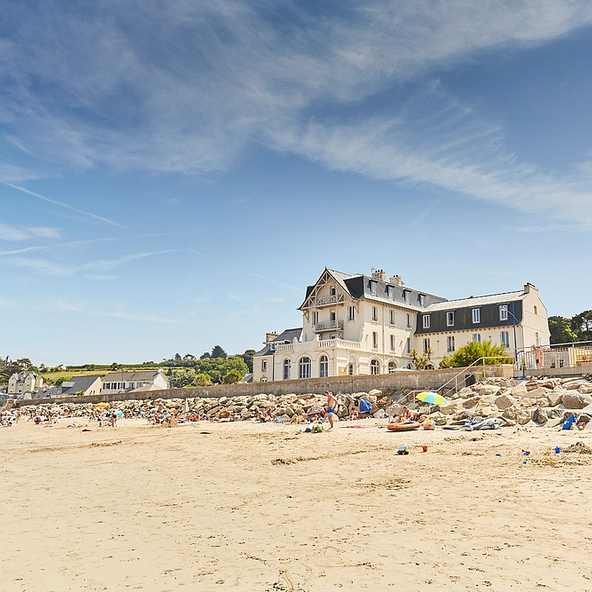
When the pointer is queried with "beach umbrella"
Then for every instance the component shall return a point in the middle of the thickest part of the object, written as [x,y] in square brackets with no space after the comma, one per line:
[102,405]
[432,398]
[119,413]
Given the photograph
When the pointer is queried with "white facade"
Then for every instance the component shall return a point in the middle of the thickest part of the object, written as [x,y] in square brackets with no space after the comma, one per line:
[357,324]
[145,380]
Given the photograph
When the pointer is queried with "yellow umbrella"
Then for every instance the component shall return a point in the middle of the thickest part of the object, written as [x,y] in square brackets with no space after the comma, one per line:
[102,405]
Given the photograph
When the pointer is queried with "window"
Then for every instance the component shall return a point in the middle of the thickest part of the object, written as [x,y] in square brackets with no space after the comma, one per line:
[503,311]
[304,368]
[407,296]
[287,366]
[505,338]
[374,367]
[332,291]
[373,288]
[374,313]
[315,318]
[332,316]
[408,320]
[535,310]
[409,348]
[350,369]
[477,337]
[450,344]
[392,367]
[263,365]
[426,321]
[476,315]
[324,367]
[426,345]
[351,313]
[450,319]
[390,292]
[421,299]
[392,343]
[537,339]
[391,317]
[374,340]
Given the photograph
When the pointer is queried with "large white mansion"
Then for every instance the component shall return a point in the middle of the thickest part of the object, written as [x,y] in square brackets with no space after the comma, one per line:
[358,324]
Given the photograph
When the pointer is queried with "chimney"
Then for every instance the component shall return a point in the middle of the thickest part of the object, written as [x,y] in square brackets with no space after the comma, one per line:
[396,281]
[269,337]
[528,287]
[379,274]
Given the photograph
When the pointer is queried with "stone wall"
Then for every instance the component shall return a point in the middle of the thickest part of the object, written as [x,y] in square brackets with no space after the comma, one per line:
[423,379]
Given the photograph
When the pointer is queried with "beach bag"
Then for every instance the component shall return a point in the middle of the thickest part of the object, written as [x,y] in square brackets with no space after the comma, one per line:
[365,407]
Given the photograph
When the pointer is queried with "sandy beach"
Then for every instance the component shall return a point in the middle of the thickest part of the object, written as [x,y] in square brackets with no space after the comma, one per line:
[247,506]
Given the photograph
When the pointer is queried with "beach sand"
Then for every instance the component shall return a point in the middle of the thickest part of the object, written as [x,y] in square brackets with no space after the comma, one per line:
[252,507]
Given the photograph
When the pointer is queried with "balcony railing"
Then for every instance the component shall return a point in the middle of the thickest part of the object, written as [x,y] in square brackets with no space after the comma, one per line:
[328,325]
[284,348]
[342,343]
[334,299]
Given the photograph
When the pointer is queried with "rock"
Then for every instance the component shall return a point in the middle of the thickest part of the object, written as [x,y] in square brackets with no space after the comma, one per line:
[537,393]
[556,396]
[380,414]
[471,402]
[574,400]
[504,401]
[573,385]
[461,415]
[521,416]
[486,411]
[585,388]
[466,392]
[486,389]
[450,409]
[540,416]
[374,393]
[519,391]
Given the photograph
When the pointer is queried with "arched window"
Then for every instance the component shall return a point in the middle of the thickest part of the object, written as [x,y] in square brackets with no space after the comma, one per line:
[392,366]
[374,367]
[304,368]
[324,367]
[287,366]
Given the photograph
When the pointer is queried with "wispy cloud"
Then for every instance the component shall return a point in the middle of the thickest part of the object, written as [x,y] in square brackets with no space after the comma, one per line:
[267,279]
[19,233]
[185,86]
[61,204]
[83,308]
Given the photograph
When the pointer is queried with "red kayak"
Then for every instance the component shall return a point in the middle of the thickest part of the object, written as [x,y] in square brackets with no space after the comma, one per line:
[404,426]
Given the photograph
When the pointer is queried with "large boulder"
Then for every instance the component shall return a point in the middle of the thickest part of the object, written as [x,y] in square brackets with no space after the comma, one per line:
[519,391]
[585,388]
[575,400]
[573,385]
[486,389]
[540,416]
[504,402]
[520,416]
[556,396]
[449,409]
[537,393]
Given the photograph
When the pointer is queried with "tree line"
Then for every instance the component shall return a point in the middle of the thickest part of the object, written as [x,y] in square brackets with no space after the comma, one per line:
[568,330]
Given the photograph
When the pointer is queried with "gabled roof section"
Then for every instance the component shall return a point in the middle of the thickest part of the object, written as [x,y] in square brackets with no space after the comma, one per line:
[338,277]
[502,298]
[141,376]
[78,383]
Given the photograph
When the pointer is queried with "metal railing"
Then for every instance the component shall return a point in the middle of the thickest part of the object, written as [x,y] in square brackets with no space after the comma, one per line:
[328,325]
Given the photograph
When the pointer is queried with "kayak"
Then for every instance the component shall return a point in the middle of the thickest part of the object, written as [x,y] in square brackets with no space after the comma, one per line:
[405,426]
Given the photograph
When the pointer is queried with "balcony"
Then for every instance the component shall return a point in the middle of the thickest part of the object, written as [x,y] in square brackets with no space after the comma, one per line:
[329,300]
[328,326]
[340,343]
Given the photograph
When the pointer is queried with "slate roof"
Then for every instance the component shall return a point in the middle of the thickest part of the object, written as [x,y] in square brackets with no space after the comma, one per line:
[141,376]
[287,336]
[501,298]
[81,383]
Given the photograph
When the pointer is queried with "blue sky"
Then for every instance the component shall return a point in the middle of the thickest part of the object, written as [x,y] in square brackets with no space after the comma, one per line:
[173,174]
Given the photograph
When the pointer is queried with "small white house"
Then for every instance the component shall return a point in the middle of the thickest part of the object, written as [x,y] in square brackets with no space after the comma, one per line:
[144,380]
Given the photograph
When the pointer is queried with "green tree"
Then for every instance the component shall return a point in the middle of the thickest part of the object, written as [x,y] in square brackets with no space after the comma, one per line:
[114,366]
[581,324]
[183,378]
[421,362]
[202,380]
[561,331]
[473,351]
[248,358]
[232,377]
[205,356]
[218,352]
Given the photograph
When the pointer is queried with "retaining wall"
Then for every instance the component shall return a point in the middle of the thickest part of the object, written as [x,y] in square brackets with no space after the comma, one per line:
[423,379]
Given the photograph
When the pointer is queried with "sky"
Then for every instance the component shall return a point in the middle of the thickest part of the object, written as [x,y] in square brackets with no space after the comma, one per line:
[173,174]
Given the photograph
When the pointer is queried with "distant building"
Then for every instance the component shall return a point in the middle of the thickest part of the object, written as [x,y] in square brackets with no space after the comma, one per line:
[358,324]
[144,380]
[86,385]
[24,382]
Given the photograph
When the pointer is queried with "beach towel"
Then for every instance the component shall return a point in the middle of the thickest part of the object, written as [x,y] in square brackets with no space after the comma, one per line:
[365,407]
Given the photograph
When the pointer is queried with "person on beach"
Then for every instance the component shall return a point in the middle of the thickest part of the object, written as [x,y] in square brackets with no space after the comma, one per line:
[331,406]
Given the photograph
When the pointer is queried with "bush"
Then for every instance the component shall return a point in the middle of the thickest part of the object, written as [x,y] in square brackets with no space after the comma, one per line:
[473,351]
